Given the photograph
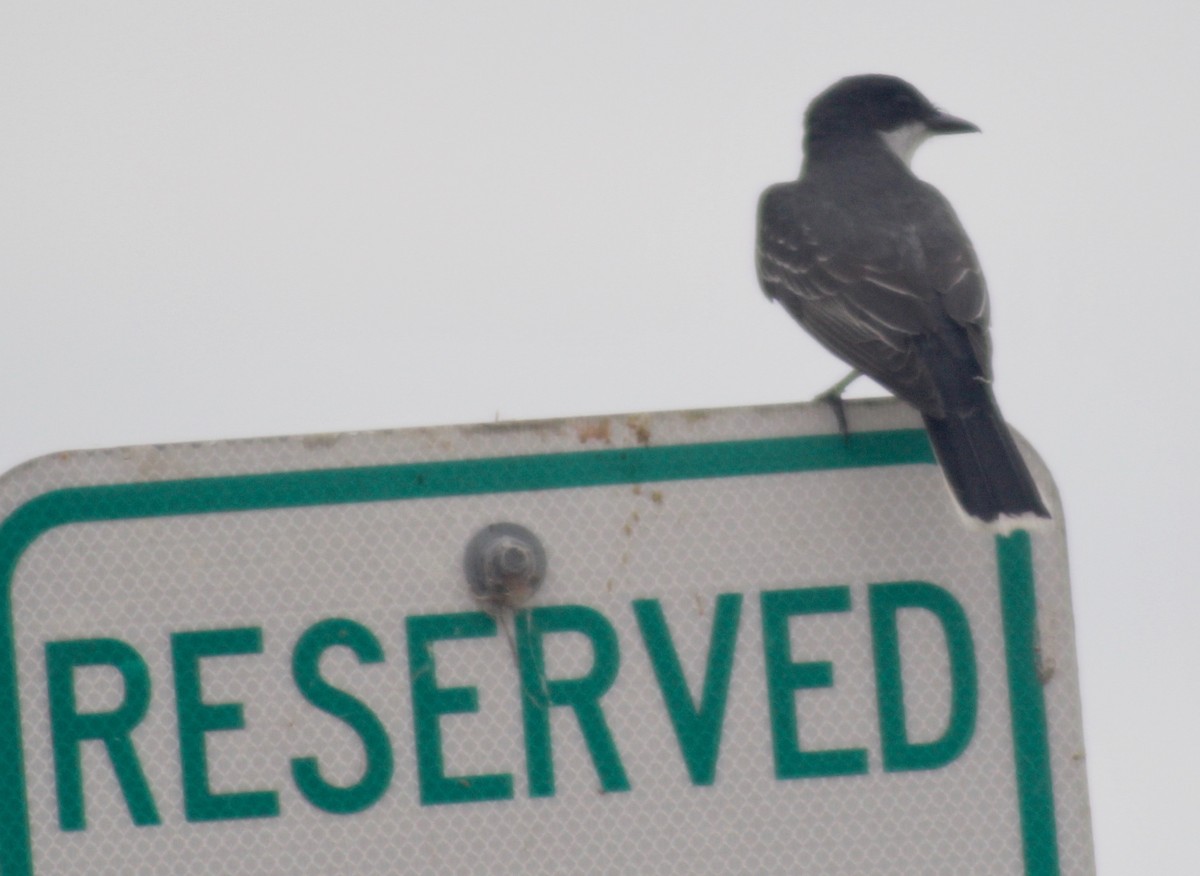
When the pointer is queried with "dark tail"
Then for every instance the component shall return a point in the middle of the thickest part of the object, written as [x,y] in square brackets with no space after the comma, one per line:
[982,464]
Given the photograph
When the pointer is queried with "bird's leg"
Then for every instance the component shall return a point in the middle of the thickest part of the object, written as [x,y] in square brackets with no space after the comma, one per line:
[833,398]
[841,386]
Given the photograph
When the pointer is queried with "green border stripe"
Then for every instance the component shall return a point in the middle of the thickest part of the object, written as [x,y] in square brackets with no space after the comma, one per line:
[501,475]
[1035,791]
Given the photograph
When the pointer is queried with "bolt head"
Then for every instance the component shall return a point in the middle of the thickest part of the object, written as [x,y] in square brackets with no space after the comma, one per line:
[505,564]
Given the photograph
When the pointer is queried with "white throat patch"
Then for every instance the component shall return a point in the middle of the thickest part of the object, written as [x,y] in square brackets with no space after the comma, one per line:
[904,140]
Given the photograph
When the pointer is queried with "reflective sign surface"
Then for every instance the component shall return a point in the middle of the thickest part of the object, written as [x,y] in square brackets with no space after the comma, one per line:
[756,649]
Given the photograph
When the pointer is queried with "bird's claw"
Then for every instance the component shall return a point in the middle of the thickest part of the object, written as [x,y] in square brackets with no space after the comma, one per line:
[833,398]
[835,401]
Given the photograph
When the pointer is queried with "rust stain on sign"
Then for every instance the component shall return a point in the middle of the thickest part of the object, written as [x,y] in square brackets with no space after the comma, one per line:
[594,430]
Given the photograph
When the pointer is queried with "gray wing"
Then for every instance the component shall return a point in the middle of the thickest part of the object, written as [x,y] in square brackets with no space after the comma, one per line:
[884,295]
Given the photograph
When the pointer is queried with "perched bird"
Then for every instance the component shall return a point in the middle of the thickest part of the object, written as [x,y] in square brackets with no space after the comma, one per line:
[874,263]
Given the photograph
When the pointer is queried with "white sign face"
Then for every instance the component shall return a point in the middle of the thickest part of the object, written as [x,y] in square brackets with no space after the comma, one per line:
[757,649]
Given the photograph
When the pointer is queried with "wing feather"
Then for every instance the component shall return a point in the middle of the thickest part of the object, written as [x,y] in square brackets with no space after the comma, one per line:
[877,295]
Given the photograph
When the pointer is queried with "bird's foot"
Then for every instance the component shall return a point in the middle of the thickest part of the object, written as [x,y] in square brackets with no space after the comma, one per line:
[833,398]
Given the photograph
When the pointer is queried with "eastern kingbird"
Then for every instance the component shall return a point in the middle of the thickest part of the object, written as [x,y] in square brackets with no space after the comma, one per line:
[873,263]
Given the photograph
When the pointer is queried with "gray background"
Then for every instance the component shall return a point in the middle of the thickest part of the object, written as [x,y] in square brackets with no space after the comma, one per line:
[227,219]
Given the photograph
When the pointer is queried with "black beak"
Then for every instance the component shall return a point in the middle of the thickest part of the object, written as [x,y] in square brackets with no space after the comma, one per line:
[944,123]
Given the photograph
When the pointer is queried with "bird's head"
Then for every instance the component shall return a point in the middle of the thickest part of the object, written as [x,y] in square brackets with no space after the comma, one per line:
[878,106]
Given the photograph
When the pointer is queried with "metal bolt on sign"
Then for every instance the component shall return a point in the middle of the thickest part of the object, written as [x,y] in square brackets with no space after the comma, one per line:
[505,564]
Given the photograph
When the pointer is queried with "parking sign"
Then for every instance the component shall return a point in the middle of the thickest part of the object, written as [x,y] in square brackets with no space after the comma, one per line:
[751,647]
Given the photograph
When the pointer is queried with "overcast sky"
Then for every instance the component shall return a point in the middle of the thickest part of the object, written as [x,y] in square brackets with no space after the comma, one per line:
[235,219]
